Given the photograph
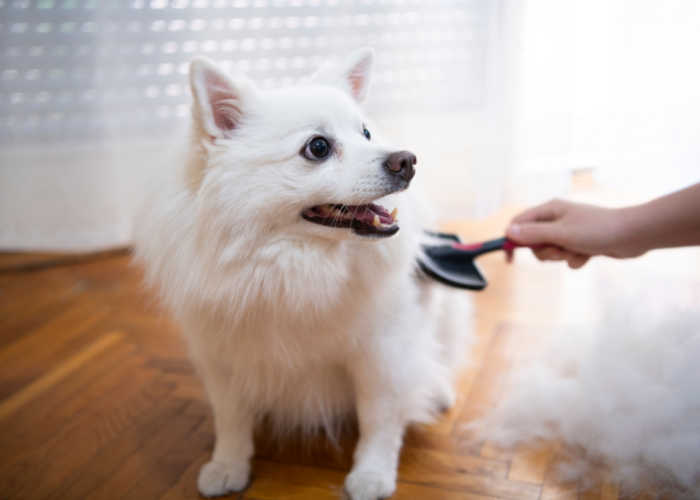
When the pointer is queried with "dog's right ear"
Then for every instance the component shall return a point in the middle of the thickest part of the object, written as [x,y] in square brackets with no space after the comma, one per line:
[352,74]
[219,101]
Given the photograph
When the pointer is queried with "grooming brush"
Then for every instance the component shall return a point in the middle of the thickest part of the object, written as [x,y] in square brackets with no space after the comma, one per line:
[452,263]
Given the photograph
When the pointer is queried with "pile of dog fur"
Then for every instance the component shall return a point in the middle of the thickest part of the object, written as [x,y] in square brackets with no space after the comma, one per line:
[625,393]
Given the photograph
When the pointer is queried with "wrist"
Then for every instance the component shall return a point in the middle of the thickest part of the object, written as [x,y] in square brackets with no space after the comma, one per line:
[632,231]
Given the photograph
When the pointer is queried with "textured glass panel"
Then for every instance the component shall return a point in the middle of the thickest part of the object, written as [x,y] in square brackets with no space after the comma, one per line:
[75,70]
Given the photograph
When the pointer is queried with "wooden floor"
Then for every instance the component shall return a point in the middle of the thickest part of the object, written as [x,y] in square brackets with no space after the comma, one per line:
[98,400]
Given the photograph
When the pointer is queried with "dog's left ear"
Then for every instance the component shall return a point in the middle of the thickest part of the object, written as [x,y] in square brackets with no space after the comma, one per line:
[352,74]
[220,101]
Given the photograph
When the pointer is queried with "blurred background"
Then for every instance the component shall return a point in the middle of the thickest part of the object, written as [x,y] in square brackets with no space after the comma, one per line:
[502,100]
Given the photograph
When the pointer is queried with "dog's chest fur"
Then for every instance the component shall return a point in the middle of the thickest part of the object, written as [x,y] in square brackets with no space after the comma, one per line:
[307,313]
[283,317]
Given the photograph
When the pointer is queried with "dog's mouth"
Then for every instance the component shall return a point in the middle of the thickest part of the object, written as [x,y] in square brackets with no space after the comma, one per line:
[366,220]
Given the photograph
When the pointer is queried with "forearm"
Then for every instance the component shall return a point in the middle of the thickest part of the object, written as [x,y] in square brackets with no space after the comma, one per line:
[669,221]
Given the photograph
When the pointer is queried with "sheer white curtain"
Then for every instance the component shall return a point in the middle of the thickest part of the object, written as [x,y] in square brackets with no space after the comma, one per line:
[498,98]
[612,85]
[93,91]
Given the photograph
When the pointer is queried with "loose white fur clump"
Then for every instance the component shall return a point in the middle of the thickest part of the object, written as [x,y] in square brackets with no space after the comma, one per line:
[625,393]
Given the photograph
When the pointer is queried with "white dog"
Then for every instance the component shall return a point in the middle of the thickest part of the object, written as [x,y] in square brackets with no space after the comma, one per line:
[278,250]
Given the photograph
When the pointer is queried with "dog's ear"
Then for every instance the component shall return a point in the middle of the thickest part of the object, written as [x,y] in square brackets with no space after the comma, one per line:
[352,74]
[219,100]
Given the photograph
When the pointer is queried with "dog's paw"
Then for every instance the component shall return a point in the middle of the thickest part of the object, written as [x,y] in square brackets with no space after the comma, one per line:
[369,485]
[218,478]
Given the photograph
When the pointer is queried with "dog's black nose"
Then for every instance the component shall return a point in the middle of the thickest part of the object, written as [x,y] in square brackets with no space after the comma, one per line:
[401,164]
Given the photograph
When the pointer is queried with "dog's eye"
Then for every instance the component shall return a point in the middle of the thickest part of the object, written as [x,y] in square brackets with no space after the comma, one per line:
[366,132]
[317,148]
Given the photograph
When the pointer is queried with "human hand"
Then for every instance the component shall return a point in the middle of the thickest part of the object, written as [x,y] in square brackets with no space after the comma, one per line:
[573,232]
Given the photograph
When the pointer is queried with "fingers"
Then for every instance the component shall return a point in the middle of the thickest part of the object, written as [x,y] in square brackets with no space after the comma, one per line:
[550,253]
[552,226]
[574,260]
[549,211]
[509,255]
[538,224]
[533,233]
[577,261]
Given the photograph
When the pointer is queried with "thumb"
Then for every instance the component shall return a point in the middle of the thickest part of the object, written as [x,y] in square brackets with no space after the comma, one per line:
[532,233]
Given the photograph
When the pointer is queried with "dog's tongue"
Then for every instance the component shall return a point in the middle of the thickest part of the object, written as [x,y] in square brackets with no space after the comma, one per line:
[366,213]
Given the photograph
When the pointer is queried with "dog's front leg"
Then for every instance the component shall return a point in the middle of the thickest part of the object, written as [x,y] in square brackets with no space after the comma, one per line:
[229,468]
[382,424]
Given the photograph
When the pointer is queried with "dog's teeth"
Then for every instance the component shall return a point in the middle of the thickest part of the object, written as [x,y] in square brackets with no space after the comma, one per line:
[394,212]
[376,222]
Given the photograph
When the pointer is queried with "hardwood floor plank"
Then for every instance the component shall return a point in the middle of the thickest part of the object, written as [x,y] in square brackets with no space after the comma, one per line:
[484,485]
[420,465]
[34,471]
[174,462]
[27,302]
[85,413]
[405,491]
[185,487]
[294,482]
[592,493]
[555,488]
[12,403]
[42,418]
[609,491]
[559,492]
[96,471]
[43,348]
[531,464]
[151,464]
[492,450]
[73,401]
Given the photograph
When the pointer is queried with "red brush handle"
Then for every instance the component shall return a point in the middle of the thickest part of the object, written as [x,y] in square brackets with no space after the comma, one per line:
[467,247]
[488,246]
[510,245]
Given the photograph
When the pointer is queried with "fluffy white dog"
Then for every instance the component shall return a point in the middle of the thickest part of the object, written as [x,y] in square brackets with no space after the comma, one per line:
[278,249]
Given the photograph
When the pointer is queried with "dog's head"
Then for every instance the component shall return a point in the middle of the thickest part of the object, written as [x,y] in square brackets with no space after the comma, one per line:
[303,160]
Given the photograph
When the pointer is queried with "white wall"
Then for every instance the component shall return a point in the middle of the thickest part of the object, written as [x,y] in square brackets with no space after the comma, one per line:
[72,198]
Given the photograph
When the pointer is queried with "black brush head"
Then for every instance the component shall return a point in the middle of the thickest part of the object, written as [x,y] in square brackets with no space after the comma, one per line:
[451,267]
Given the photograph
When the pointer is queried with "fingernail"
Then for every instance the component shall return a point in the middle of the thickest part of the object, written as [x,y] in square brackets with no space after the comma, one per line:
[514,229]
